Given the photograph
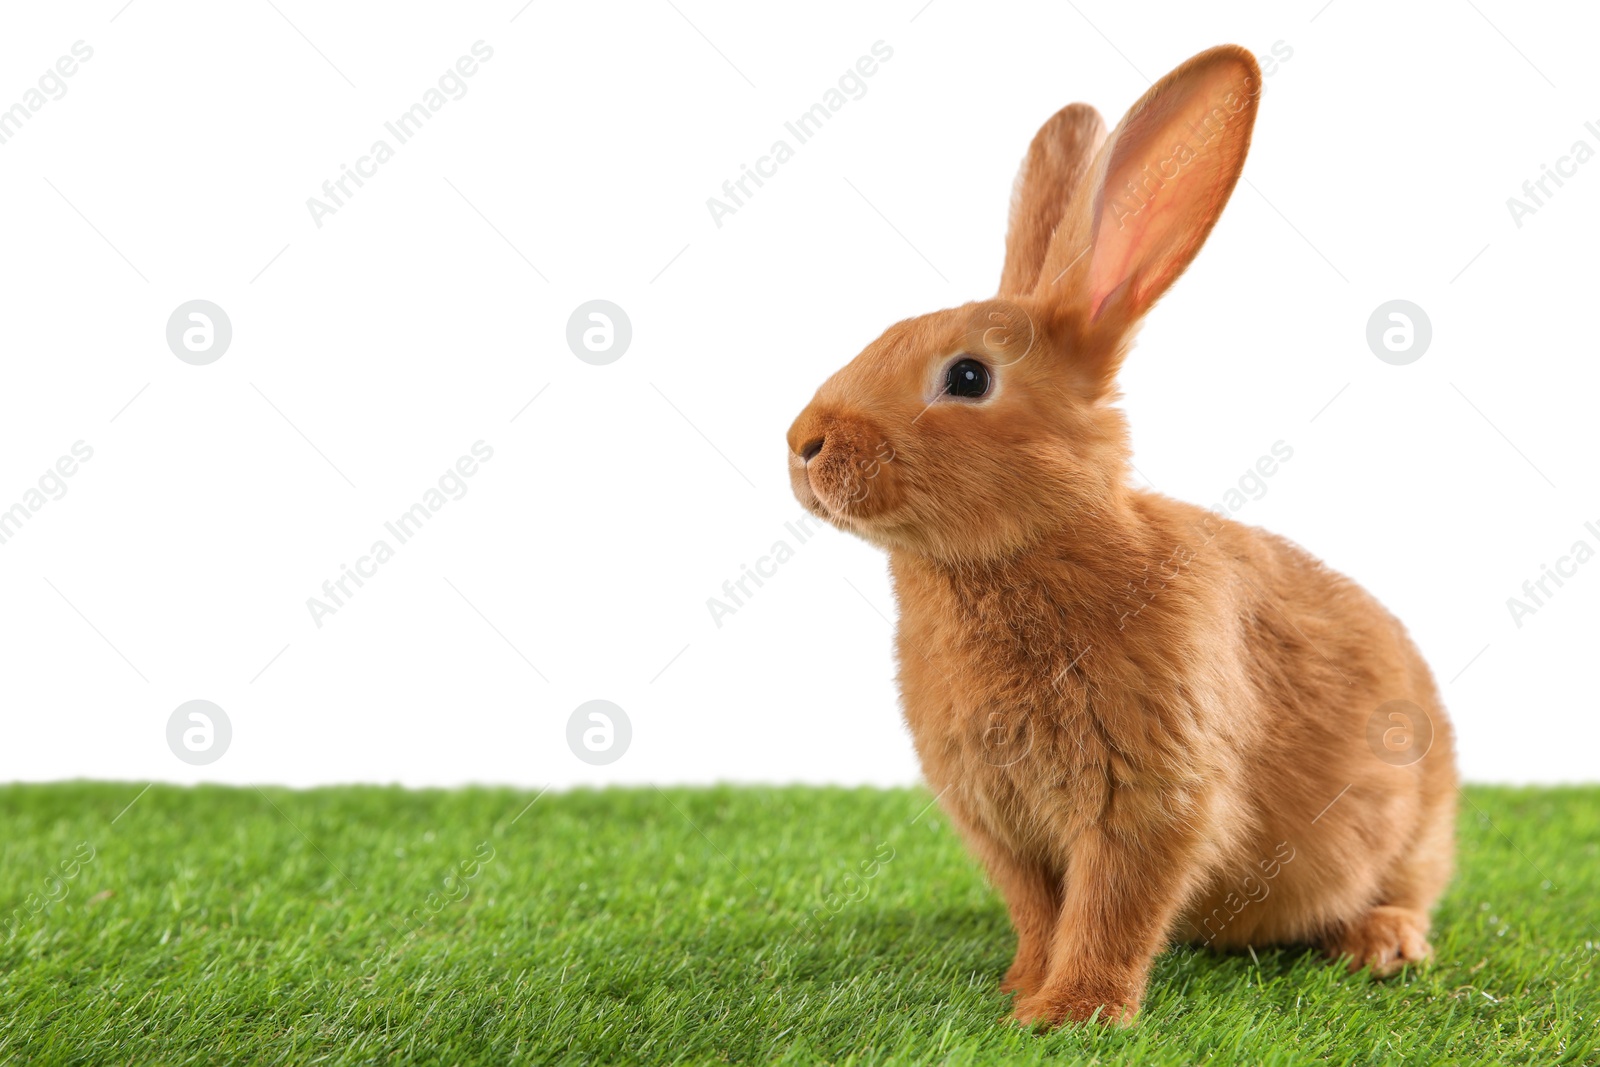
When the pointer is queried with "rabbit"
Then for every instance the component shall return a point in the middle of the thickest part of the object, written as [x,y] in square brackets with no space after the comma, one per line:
[1150,723]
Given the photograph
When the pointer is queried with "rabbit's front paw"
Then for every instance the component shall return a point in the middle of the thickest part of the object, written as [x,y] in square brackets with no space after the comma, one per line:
[1077,1003]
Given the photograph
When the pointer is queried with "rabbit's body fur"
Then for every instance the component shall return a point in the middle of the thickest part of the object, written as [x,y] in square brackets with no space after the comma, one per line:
[1149,722]
[1197,725]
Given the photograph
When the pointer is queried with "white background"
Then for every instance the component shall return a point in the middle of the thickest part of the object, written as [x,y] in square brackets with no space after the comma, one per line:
[416,322]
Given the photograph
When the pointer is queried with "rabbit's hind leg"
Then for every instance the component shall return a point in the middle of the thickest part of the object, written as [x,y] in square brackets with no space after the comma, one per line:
[1383,940]
[1395,932]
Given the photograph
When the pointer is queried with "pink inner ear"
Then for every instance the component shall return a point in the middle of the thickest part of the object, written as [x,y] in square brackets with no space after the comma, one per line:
[1139,251]
[1166,181]
[1125,233]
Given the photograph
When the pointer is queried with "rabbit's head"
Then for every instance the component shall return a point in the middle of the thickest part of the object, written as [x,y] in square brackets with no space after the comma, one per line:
[968,433]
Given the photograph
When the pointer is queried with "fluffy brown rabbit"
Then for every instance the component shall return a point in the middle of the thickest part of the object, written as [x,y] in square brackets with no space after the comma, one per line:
[1149,722]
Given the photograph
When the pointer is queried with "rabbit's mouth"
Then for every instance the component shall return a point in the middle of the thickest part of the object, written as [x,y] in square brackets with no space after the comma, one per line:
[807,494]
[811,502]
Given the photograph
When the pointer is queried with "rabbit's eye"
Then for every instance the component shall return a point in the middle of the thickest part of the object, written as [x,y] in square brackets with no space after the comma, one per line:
[967,378]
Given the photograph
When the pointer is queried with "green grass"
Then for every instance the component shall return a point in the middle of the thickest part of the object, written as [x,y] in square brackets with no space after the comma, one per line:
[236,925]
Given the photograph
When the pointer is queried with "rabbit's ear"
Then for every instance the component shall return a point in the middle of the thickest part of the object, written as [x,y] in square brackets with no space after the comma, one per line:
[1061,154]
[1156,189]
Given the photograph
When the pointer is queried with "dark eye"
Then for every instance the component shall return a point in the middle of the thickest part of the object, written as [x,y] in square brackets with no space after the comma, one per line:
[967,378]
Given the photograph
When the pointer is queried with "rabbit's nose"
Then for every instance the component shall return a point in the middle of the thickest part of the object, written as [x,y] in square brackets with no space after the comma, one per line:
[809,451]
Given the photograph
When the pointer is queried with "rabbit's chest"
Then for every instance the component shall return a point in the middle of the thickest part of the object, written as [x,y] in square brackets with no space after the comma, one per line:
[1008,725]
[1038,716]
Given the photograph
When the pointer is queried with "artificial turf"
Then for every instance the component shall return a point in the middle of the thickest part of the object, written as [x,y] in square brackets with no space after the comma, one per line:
[214,925]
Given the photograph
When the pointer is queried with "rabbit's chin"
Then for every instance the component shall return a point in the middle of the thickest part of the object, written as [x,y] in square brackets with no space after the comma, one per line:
[840,517]
[813,502]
